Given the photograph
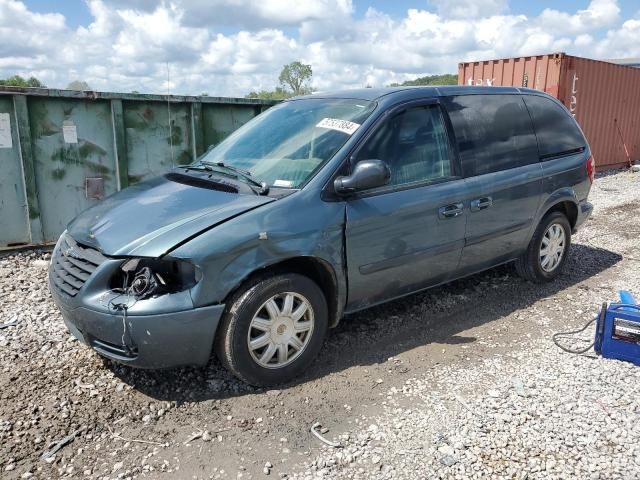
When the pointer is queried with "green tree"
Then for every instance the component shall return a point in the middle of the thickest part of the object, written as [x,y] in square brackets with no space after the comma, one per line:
[446,79]
[18,81]
[78,85]
[296,77]
[278,94]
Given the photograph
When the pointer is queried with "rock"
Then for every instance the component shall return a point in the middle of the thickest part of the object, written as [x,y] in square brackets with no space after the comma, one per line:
[448,460]
[446,450]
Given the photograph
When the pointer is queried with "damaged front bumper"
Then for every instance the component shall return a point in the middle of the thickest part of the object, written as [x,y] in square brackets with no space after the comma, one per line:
[162,340]
[156,331]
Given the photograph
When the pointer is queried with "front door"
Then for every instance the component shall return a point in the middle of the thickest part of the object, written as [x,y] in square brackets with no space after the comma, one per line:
[409,234]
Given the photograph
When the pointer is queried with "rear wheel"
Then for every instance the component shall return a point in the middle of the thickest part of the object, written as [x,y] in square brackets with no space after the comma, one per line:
[547,252]
[272,329]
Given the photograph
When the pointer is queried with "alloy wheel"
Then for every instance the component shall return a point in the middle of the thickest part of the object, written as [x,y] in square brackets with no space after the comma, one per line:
[552,247]
[280,330]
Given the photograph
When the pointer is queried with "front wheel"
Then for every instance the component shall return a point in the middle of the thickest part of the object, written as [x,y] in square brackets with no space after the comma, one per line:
[273,329]
[548,250]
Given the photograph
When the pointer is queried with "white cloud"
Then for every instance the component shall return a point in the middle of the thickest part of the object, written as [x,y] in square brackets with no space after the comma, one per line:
[127,44]
[248,14]
[623,42]
[599,14]
[465,9]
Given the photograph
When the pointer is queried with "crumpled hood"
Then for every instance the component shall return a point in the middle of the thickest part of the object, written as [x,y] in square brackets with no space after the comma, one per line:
[151,217]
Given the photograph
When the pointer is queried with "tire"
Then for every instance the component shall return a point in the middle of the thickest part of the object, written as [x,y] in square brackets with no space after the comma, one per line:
[530,265]
[251,315]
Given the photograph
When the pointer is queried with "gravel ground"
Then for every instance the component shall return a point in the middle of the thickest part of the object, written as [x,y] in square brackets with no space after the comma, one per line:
[461,381]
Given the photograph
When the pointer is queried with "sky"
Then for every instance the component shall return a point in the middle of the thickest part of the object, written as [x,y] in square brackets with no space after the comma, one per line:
[232,47]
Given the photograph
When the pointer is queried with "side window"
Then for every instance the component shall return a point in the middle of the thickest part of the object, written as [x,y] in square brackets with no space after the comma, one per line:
[556,131]
[414,144]
[493,132]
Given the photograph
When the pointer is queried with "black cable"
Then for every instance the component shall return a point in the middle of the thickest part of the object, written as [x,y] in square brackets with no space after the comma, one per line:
[569,350]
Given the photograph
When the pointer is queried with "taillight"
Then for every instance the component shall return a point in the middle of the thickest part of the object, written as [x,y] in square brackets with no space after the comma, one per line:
[591,169]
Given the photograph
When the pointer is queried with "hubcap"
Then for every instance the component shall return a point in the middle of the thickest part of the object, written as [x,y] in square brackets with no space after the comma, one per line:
[552,247]
[280,330]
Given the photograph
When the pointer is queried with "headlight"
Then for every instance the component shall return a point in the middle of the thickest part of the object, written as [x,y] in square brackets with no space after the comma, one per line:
[145,277]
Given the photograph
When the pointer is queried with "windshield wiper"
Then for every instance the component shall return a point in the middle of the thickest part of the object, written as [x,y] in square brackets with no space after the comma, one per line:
[263,188]
[198,167]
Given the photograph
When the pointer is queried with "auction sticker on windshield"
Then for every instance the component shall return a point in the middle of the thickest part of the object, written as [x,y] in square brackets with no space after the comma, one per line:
[344,126]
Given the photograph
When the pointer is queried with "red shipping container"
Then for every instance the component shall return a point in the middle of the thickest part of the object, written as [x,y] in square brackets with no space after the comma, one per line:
[604,97]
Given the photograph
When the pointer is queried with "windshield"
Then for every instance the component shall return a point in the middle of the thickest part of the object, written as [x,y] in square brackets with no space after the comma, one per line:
[286,144]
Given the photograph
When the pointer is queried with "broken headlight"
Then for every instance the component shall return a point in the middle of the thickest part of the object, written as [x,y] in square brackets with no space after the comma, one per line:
[145,277]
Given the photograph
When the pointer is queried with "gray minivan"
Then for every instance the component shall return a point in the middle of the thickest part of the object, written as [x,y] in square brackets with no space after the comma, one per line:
[321,206]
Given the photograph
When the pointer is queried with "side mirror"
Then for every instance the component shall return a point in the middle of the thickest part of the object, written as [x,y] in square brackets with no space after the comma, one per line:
[366,174]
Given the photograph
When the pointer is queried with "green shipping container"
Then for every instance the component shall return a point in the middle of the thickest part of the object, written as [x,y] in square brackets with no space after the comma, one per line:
[62,151]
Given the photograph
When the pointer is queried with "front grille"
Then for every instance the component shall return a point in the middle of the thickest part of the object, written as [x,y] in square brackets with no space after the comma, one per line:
[73,264]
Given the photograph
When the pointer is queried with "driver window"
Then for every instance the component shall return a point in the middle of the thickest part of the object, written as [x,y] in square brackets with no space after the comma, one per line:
[414,144]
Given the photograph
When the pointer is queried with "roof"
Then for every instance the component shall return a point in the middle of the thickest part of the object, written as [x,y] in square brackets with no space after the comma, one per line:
[372,94]
[359,93]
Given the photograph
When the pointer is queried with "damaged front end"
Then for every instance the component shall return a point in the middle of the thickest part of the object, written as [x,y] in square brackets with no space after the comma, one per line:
[137,311]
[140,279]
[146,277]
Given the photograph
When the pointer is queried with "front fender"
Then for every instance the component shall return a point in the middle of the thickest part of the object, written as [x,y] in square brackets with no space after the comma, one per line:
[290,228]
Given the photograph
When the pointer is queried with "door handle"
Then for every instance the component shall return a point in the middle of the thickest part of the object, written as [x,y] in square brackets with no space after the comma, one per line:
[450,211]
[481,203]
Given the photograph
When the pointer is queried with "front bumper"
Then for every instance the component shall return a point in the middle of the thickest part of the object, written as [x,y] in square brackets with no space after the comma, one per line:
[155,341]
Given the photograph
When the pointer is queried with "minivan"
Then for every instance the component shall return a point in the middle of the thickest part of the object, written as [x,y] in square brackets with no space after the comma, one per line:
[321,206]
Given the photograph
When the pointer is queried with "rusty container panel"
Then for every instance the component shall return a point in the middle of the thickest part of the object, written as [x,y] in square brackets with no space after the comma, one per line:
[220,120]
[541,72]
[14,230]
[71,142]
[604,97]
[152,145]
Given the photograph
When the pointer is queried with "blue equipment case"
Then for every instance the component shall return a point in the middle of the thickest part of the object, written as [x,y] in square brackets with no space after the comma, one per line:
[618,330]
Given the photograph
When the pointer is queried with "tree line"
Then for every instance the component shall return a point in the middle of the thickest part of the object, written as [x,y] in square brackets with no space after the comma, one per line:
[294,79]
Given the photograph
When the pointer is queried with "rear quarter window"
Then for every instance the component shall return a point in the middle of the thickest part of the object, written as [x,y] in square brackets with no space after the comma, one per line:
[493,132]
[556,130]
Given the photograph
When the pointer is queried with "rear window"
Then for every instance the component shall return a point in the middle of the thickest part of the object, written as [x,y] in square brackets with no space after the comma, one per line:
[493,132]
[557,133]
